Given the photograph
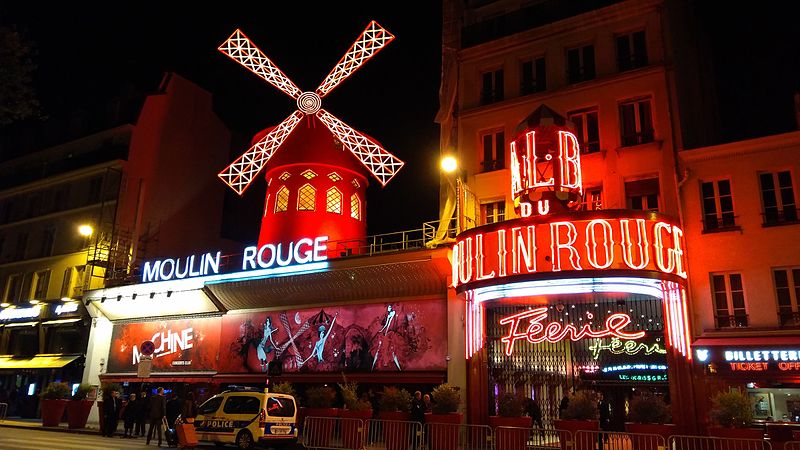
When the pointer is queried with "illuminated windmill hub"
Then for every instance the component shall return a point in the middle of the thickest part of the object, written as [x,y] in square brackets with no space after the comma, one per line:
[309,102]
[290,210]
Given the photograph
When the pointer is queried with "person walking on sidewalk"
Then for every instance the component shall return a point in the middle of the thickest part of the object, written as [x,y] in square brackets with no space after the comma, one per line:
[157,409]
[111,407]
[130,415]
[141,414]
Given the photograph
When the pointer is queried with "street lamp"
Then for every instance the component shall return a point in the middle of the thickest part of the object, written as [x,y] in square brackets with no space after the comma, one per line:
[449,164]
[85,230]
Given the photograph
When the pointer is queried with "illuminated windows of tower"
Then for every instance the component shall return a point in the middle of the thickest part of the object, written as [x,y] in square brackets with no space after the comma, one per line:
[334,177]
[355,207]
[308,174]
[284,176]
[282,200]
[333,202]
[306,198]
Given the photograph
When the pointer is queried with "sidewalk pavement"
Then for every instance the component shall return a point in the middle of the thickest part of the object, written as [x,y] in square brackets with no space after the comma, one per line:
[36,424]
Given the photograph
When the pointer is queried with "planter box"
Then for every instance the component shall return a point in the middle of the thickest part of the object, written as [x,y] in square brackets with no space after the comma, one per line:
[353,430]
[397,431]
[738,433]
[664,430]
[322,431]
[52,410]
[572,427]
[443,429]
[510,439]
[78,412]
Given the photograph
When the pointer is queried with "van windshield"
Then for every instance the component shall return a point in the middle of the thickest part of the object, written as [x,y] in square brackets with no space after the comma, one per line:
[280,407]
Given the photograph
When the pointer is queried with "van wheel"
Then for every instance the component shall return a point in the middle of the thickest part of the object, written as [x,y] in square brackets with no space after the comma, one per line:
[244,439]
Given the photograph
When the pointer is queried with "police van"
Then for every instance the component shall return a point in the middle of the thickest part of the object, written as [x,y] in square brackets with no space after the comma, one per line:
[248,417]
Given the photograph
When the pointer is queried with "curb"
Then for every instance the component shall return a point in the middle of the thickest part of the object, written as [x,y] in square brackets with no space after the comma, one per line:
[56,429]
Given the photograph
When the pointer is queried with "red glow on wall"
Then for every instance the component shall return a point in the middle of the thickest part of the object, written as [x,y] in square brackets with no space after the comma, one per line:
[537,331]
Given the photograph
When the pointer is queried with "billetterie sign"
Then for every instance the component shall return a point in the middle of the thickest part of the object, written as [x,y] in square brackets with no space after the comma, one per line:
[267,256]
[594,240]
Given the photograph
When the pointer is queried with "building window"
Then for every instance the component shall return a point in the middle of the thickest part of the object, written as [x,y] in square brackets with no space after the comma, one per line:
[533,77]
[14,288]
[284,176]
[22,246]
[587,129]
[61,198]
[355,183]
[333,201]
[306,198]
[282,200]
[580,64]
[729,306]
[493,212]
[717,205]
[631,51]
[334,177]
[777,197]
[787,291]
[308,174]
[41,283]
[636,122]
[95,189]
[492,87]
[355,207]
[492,144]
[34,204]
[67,282]
[592,199]
[642,195]
[48,240]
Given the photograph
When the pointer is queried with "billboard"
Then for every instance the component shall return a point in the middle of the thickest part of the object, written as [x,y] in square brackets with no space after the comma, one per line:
[184,345]
[393,337]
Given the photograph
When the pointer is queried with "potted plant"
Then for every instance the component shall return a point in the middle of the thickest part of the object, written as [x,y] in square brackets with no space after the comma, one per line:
[78,408]
[319,403]
[395,407]
[509,414]
[54,402]
[732,412]
[106,389]
[649,414]
[580,414]
[444,421]
[355,415]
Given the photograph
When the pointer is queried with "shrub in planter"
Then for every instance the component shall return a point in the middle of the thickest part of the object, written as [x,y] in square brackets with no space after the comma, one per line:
[581,414]
[284,388]
[443,422]
[54,401]
[319,403]
[509,410]
[395,405]
[355,415]
[649,414]
[78,408]
[732,412]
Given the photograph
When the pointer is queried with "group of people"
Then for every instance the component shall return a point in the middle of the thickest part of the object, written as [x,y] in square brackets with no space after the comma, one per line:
[420,405]
[139,409]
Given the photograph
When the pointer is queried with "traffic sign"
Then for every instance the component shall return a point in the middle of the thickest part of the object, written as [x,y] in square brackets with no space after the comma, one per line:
[147,348]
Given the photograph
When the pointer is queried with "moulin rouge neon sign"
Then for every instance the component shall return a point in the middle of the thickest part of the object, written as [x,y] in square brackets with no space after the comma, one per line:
[538,331]
[589,241]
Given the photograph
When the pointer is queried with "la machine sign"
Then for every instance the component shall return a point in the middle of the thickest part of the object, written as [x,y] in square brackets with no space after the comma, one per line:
[592,240]
[267,256]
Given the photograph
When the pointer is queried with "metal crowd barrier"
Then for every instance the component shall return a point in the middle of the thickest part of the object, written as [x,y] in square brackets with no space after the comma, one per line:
[791,445]
[529,438]
[451,436]
[615,440]
[333,433]
[3,411]
[716,443]
[393,435]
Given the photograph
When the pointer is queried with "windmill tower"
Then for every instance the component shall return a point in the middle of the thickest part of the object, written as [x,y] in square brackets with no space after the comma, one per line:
[315,185]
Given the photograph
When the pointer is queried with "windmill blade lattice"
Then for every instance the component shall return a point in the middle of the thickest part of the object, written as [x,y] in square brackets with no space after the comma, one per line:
[382,164]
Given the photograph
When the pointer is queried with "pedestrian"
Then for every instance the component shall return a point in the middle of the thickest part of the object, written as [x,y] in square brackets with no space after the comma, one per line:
[533,411]
[426,400]
[141,414]
[111,408]
[189,409]
[604,408]
[129,415]
[173,409]
[156,412]
[564,404]
[417,411]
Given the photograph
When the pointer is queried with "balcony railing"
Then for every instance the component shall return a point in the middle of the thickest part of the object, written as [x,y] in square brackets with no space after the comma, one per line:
[532,87]
[789,319]
[578,74]
[775,216]
[491,96]
[642,137]
[494,164]
[734,321]
[725,223]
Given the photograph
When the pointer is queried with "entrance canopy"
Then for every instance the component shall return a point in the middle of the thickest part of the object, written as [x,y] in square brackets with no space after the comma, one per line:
[37,362]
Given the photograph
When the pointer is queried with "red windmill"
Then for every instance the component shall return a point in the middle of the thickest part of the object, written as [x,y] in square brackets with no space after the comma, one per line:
[314,188]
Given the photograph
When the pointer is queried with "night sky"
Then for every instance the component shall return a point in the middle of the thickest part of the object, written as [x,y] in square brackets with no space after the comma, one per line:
[86,54]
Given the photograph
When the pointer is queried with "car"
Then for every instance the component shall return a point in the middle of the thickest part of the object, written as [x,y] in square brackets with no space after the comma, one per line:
[248,417]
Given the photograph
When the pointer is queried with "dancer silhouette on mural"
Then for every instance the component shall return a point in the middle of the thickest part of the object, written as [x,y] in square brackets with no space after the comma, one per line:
[319,346]
[263,349]
[391,350]
[390,313]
